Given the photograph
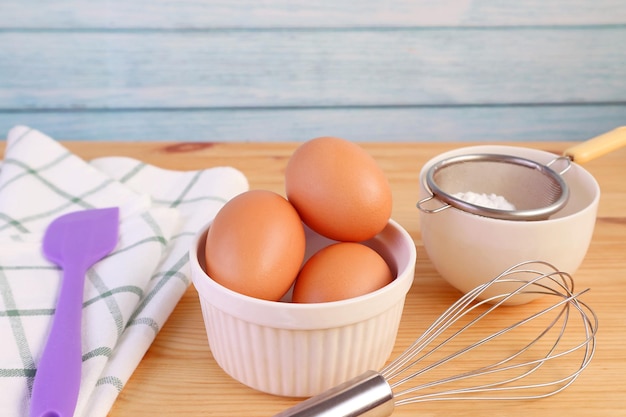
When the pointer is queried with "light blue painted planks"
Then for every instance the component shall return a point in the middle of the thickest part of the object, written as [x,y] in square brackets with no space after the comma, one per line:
[185,14]
[291,70]
[222,69]
[491,123]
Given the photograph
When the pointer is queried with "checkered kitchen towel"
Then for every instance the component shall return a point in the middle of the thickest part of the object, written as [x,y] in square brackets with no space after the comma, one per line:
[129,294]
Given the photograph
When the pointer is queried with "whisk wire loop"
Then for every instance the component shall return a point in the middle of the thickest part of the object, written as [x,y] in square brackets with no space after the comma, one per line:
[497,367]
[463,307]
[554,283]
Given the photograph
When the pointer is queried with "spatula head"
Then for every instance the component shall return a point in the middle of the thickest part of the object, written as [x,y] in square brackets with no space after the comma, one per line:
[82,237]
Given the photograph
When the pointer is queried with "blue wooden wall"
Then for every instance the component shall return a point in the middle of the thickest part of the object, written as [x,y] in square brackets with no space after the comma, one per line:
[286,70]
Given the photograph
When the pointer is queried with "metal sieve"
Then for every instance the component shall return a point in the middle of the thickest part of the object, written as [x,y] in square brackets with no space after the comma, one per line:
[535,189]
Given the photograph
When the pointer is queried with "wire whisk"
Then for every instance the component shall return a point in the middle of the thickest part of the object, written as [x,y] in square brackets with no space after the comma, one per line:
[462,356]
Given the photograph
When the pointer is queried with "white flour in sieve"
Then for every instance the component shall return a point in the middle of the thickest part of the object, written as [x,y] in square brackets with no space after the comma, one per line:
[485,200]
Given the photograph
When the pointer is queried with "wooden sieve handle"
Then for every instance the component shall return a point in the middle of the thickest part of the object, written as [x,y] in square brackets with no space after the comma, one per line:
[597,146]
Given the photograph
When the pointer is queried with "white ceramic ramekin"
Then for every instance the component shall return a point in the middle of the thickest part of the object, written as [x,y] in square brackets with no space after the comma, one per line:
[300,350]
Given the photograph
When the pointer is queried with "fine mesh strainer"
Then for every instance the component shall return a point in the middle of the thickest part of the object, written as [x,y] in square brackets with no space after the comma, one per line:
[535,190]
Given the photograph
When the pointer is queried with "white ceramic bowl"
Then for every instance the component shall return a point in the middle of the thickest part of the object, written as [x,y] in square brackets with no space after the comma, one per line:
[468,250]
[300,350]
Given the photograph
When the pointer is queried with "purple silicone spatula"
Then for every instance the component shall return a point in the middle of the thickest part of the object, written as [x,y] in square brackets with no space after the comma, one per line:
[75,242]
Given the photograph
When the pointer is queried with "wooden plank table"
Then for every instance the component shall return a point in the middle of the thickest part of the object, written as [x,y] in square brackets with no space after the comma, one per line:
[179,377]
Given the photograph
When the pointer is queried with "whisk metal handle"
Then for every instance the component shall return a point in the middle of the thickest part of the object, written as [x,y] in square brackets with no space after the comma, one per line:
[367,395]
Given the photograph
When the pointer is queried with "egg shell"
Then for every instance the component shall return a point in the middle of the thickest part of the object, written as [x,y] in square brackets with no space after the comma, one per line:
[255,245]
[340,271]
[338,189]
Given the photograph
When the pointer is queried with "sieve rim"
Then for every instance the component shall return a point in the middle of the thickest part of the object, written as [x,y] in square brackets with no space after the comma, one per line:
[540,213]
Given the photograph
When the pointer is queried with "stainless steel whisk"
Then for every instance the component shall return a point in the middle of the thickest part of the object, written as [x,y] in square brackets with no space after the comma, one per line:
[506,358]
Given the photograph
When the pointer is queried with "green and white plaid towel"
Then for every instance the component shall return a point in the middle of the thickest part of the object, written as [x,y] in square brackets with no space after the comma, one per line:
[128,295]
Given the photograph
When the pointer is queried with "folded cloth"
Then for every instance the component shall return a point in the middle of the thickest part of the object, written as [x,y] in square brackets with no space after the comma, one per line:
[129,294]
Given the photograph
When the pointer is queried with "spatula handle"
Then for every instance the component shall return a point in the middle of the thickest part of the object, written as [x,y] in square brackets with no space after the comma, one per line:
[57,381]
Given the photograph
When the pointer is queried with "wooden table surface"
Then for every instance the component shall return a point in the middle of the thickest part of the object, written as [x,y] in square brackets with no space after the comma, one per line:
[179,377]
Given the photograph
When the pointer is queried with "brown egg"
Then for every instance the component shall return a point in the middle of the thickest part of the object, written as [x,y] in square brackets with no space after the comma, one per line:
[255,245]
[340,271]
[338,189]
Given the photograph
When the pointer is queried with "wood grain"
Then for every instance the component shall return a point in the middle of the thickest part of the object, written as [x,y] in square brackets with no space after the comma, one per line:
[523,123]
[279,70]
[72,14]
[267,69]
[178,375]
